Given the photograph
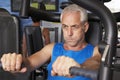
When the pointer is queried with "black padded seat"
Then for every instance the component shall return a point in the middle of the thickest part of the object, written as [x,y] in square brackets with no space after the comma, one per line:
[9,33]
[55,35]
[33,39]
[9,39]
[95,32]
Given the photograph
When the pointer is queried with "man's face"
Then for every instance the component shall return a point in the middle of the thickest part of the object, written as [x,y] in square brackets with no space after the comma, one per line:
[73,29]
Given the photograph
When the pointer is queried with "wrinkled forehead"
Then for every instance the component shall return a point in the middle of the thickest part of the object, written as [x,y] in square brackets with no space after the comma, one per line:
[71,17]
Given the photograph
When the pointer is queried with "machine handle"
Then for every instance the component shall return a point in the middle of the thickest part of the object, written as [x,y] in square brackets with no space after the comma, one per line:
[84,72]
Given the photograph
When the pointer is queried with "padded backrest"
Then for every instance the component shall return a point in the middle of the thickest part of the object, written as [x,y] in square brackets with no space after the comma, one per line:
[53,34]
[33,39]
[94,33]
[9,33]
[9,38]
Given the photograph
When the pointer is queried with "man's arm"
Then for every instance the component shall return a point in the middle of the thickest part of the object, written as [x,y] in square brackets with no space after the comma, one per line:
[93,63]
[41,57]
[13,62]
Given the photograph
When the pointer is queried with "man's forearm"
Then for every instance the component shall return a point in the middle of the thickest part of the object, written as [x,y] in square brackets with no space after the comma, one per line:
[26,63]
[92,63]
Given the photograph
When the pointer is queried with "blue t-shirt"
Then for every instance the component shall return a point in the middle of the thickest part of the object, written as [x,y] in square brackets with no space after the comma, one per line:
[79,56]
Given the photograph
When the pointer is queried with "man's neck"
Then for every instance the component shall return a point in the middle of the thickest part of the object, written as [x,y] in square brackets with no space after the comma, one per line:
[75,48]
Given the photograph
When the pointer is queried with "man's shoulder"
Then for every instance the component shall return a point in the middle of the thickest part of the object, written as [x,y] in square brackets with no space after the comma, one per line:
[96,51]
[50,45]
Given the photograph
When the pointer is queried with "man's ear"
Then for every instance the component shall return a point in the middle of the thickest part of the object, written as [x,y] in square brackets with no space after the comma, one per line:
[86,26]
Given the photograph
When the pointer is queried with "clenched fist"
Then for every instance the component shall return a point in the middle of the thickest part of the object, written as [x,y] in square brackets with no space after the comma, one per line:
[12,62]
[62,65]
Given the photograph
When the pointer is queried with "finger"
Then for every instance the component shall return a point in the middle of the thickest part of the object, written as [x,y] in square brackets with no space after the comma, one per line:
[53,73]
[18,62]
[23,70]
[61,66]
[3,61]
[55,64]
[13,61]
[7,62]
[68,63]
[67,72]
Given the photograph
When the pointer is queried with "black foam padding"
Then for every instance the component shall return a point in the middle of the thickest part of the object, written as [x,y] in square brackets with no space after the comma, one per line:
[9,33]
[33,38]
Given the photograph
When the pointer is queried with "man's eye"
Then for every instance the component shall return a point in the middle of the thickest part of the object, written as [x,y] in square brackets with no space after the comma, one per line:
[64,26]
[75,26]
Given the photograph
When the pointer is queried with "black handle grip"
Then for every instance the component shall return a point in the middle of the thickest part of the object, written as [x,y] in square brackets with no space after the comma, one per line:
[83,72]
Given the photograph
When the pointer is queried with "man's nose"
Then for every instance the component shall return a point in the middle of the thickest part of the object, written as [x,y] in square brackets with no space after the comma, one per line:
[70,32]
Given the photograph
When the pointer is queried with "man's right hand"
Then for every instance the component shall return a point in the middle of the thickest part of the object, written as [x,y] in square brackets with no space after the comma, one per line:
[12,62]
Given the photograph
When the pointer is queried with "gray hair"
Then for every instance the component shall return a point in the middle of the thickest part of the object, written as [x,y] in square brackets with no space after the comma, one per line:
[74,7]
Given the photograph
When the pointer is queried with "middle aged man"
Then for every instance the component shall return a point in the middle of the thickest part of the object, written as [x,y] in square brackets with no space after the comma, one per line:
[75,51]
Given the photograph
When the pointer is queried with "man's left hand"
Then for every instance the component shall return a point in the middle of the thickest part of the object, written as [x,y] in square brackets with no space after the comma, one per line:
[62,65]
